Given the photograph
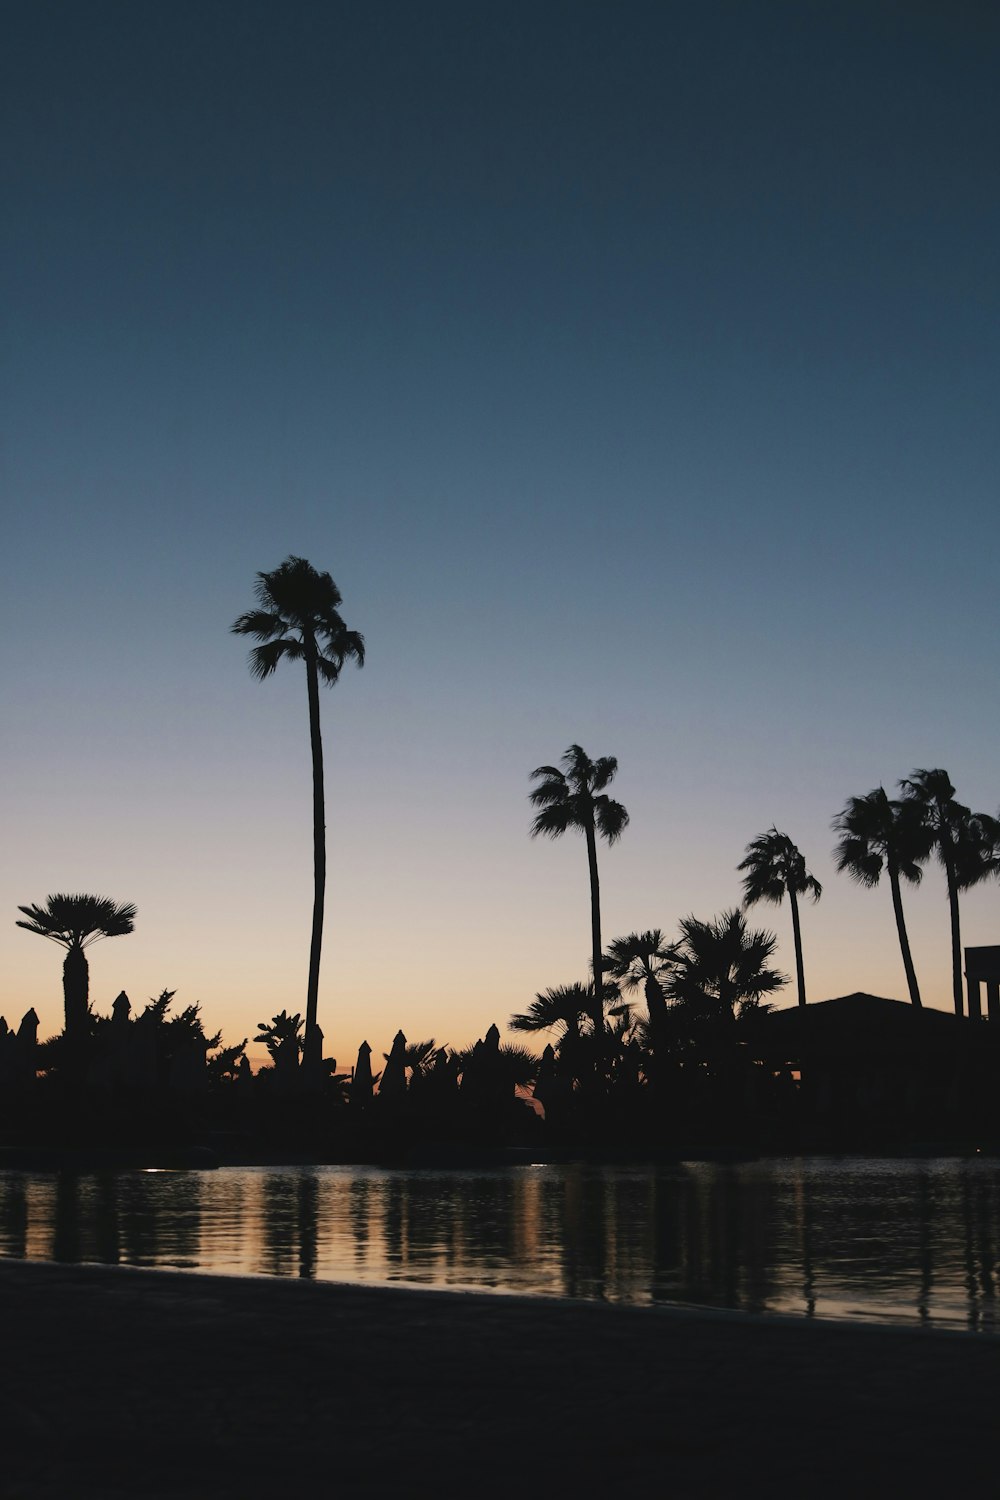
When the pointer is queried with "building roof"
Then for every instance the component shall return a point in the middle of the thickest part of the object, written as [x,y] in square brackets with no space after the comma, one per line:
[863,1026]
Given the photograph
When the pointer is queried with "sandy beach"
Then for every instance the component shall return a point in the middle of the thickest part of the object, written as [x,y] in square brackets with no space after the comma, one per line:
[119,1382]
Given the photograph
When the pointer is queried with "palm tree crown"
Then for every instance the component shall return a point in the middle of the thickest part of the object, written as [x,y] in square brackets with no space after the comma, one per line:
[644,958]
[560,1009]
[79,921]
[875,834]
[947,823]
[977,850]
[574,797]
[776,868]
[75,922]
[722,967]
[299,615]
[299,619]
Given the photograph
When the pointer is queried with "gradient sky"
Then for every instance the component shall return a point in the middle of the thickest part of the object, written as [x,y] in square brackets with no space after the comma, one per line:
[632,367]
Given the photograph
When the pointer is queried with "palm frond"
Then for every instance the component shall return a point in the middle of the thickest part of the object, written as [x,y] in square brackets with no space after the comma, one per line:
[610,818]
[264,624]
[299,615]
[548,773]
[551,1009]
[550,791]
[640,955]
[296,590]
[605,768]
[579,766]
[340,645]
[79,920]
[554,820]
[264,659]
[775,866]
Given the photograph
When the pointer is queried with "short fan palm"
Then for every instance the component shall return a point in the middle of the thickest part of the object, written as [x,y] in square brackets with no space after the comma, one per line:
[643,958]
[560,1010]
[75,923]
[722,969]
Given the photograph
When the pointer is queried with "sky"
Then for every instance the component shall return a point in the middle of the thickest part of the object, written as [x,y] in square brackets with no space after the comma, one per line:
[633,369]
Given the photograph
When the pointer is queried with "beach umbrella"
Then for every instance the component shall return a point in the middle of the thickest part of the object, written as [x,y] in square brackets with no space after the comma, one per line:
[393,1081]
[361,1086]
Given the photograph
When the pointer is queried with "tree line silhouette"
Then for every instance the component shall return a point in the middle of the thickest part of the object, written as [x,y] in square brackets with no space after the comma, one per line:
[703,992]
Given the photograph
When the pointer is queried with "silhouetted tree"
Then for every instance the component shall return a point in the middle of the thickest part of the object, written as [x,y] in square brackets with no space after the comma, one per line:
[517,1065]
[878,833]
[75,923]
[947,821]
[299,620]
[178,1039]
[978,850]
[643,958]
[559,1010]
[418,1059]
[721,973]
[775,869]
[565,1011]
[280,1029]
[575,798]
[227,1064]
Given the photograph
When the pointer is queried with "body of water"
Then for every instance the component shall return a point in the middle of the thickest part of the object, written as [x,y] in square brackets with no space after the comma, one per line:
[890,1241]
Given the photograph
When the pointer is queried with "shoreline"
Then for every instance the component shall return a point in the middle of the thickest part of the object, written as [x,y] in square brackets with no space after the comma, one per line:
[121,1381]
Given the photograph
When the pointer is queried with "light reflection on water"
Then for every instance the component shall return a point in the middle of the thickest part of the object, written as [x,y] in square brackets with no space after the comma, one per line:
[892,1241]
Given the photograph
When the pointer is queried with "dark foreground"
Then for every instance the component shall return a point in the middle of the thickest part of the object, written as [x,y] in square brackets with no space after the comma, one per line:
[153,1384]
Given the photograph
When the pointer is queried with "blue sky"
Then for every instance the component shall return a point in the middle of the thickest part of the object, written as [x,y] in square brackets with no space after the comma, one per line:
[633,370]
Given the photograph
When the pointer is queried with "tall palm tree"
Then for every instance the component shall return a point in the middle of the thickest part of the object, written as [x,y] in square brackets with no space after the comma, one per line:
[75,923]
[298,619]
[575,798]
[875,834]
[643,958]
[947,824]
[775,869]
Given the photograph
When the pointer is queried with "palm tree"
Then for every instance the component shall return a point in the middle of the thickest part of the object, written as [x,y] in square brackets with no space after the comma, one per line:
[643,958]
[76,922]
[560,1010]
[298,619]
[575,798]
[419,1058]
[878,834]
[947,824]
[721,969]
[280,1029]
[518,1066]
[775,869]
[979,850]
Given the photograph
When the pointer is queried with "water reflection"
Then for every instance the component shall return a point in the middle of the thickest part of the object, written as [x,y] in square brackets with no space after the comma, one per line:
[893,1241]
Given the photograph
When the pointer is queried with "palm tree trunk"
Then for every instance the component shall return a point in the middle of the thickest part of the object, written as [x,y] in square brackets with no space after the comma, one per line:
[319,848]
[656,1009]
[76,992]
[595,941]
[956,940]
[800,973]
[904,941]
